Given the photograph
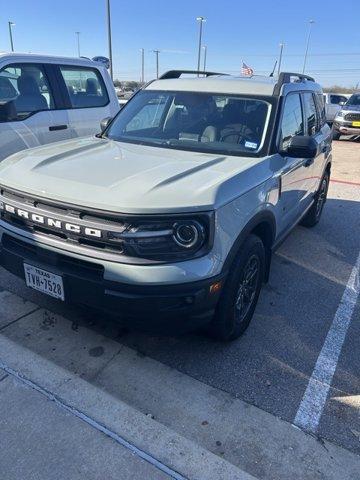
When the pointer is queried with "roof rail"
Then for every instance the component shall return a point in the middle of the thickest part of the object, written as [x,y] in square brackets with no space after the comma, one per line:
[285,77]
[178,73]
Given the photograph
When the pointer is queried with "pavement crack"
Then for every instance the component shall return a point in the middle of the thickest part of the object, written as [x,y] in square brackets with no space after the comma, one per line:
[19,318]
[94,377]
[3,378]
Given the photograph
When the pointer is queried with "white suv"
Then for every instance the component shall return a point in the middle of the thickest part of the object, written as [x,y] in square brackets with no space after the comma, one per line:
[46,99]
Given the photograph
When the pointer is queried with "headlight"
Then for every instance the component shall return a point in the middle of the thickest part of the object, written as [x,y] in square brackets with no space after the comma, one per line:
[164,238]
[188,234]
[340,114]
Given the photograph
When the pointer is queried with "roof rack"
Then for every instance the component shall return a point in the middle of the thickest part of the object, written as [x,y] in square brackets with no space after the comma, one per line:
[178,73]
[285,77]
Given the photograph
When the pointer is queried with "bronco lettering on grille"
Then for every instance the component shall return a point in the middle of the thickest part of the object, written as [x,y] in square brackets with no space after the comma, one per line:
[49,222]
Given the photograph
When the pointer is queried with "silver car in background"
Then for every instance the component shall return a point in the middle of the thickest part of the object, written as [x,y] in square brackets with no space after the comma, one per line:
[347,120]
[333,104]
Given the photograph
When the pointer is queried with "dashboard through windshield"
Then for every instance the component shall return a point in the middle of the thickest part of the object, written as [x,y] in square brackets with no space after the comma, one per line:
[199,121]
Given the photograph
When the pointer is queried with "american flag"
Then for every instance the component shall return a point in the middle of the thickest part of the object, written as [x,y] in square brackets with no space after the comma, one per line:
[246,70]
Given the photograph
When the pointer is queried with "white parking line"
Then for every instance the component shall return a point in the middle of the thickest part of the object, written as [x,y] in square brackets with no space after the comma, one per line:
[310,410]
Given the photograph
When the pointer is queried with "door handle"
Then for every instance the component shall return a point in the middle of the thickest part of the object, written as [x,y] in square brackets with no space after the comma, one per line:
[57,127]
[309,162]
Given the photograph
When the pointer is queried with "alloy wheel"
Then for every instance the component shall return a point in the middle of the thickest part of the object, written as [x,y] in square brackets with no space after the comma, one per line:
[247,289]
[321,197]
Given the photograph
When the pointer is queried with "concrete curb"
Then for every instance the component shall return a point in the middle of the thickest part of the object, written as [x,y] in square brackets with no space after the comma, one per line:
[180,457]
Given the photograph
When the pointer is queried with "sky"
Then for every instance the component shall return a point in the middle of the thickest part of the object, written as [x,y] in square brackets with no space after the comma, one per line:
[234,31]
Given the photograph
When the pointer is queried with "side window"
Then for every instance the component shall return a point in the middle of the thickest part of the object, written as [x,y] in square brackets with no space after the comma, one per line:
[313,125]
[24,90]
[336,99]
[149,116]
[85,86]
[292,120]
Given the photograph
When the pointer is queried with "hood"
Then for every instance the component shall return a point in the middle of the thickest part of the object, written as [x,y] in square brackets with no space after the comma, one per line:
[127,178]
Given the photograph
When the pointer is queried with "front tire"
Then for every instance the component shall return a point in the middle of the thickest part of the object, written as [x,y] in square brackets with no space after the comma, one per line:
[240,292]
[313,215]
[336,135]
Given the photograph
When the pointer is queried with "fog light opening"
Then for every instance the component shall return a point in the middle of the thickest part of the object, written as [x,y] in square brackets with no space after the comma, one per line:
[215,287]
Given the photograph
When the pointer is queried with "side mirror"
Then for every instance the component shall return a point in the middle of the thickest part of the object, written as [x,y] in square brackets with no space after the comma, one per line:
[302,147]
[105,123]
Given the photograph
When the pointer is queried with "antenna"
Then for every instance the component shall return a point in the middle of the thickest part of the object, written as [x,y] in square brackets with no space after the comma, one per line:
[273,71]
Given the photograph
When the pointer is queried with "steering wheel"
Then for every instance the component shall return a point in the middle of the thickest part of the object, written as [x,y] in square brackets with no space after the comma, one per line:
[232,133]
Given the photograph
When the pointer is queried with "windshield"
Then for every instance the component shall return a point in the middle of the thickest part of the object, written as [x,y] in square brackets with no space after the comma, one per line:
[354,99]
[204,122]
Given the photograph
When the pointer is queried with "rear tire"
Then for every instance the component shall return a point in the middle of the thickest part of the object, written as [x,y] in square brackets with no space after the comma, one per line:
[313,215]
[240,292]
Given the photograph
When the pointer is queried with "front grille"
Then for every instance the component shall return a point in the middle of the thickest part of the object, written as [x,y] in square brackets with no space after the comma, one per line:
[65,263]
[352,117]
[85,221]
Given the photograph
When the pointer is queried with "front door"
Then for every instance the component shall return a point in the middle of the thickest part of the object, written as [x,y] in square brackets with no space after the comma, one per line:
[89,99]
[28,116]
[295,173]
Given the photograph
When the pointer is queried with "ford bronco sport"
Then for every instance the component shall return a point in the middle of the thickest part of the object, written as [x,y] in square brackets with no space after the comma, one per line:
[172,212]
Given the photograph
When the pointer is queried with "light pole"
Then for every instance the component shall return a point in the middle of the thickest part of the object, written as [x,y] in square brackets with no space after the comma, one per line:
[311,22]
[11,24]
[78,43]
[157,62]
[281,45]
[142,65]
[108,12]
[205,55]
[201,20]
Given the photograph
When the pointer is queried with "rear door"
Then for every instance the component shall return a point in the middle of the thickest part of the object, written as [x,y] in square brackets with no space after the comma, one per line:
[320,131]
[324,140]
[89,98]
[29,108]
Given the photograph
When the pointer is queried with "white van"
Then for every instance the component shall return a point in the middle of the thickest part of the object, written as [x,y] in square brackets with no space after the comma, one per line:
[45,99]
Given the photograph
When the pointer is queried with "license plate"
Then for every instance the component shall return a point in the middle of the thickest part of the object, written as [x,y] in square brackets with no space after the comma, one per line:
[356,124]
[43,281]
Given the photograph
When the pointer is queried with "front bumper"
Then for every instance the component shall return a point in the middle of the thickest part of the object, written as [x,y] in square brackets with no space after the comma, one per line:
[187,305]
[346,128]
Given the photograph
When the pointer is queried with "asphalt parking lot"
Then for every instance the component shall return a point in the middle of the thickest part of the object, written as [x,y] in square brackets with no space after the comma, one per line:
[273,364]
